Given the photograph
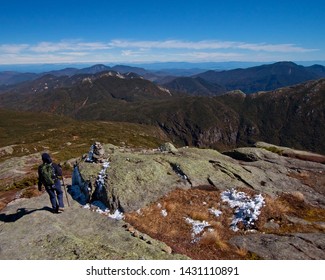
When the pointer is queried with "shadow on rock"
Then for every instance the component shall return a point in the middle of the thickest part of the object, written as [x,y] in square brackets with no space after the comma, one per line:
[21,212]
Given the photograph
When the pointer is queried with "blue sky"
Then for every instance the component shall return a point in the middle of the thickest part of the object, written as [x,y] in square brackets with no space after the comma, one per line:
[160,31]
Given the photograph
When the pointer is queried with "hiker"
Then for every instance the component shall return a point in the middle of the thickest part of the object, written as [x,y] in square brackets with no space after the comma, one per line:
[48,175]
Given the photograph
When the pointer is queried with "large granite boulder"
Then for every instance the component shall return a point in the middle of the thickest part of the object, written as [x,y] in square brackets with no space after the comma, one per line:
[135,178]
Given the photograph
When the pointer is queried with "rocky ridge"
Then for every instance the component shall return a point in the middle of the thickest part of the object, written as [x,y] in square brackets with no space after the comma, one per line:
[137,178]
[160,190]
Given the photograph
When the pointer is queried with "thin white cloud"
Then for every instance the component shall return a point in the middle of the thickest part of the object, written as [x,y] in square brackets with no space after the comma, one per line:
[139,52]
[46,47]
[74,53]
[212,56]
[95,46]
[172,44]
[150,51]
[274,48]
[206,45]
[13,48]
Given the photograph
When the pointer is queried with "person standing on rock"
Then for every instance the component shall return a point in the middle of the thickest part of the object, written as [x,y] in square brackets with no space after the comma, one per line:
[48,175]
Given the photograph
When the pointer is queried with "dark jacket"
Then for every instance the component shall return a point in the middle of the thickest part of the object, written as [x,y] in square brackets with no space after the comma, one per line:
[57,170]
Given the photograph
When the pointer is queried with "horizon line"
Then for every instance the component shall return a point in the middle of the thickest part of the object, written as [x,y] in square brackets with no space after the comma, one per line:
[159,62]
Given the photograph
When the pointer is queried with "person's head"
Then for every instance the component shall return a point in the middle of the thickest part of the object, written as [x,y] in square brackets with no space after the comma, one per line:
[46,158]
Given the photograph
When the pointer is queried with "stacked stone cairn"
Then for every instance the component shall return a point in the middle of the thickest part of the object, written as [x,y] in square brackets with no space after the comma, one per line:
[96,153]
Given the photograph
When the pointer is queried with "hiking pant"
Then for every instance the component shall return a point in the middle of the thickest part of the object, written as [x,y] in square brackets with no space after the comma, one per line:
[56,196]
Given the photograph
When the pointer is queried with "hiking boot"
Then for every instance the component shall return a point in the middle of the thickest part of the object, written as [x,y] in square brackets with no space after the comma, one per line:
[60,210]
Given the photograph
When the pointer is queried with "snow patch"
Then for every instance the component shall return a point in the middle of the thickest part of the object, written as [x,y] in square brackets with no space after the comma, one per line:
[197,228]
[165,90]
[87,80]
[164,212]
[100,208]
[215,212]
[102,174]
[119,75]
[112,74]
[80,190]
[247,209]
[90,154]
[86,206]
[117,215]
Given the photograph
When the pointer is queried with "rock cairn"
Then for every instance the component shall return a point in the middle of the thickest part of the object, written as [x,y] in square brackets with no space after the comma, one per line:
[96,153]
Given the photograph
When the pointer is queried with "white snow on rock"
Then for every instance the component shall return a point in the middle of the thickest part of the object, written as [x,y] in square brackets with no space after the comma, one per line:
[97,207]
[119,75]
[100,208]
[247,209]
[80,191]
[215,212]
[164,212]
[197,228]
[100,182]
[165,90]
[117,215]
[90,154]
[86,206]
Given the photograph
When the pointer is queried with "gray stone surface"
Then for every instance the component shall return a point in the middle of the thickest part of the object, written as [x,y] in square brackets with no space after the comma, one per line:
[136,178]
[28,230]
[299,246]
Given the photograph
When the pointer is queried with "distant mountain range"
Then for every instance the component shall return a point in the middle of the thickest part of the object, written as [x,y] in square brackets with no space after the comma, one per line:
[289,116]
[151,66]
[70,95]
[11,78]
[249,80]
[195,86]
[195,82]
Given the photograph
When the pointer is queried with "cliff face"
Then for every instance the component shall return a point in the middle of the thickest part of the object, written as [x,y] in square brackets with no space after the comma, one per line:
[292,116]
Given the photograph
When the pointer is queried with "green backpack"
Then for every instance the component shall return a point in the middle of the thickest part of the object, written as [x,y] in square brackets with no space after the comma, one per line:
[48,174]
